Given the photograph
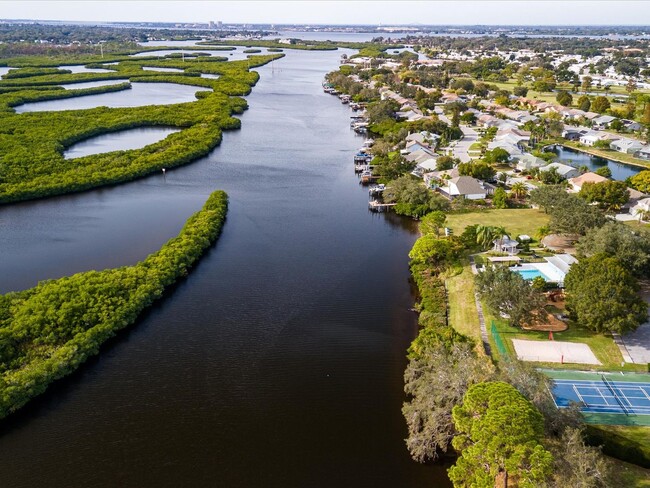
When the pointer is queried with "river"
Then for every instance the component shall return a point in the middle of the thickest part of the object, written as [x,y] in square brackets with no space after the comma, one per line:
[278,362]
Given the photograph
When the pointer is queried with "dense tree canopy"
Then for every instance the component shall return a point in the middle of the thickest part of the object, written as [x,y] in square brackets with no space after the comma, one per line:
[631,248]
[500,434]
[46,332]
[509,294]
[602,295]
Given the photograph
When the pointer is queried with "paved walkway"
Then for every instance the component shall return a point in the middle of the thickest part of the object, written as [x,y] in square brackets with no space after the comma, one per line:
[637,344]
[481,318]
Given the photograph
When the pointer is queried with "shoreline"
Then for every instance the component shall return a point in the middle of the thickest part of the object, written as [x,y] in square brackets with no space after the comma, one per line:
[596,152]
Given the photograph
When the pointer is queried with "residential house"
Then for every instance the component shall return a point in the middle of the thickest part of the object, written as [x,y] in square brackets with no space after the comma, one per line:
[413,146]
[563,170]
[589,139]
[603,121]
[528,162]
[631,125]
[466,187]
[643,153]
[627,146]
[642,209]
[577,182]
[635,198]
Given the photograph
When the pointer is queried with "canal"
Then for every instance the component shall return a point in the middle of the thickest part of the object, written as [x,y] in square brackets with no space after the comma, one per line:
[577,159]
[277,362]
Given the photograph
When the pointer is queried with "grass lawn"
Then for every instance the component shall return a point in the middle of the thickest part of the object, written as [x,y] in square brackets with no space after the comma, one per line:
[630,475]
[517,221]
[617,438]
[462,308]
[602,346]
[637,225]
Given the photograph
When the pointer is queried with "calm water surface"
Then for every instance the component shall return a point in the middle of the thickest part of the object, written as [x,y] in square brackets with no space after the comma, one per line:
[278,362]
[575,158]
[119,141]
[92,84]
[138,95]
[83,69]
[168,70]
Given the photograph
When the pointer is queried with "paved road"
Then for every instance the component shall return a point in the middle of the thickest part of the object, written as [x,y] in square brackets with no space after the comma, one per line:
[460,148]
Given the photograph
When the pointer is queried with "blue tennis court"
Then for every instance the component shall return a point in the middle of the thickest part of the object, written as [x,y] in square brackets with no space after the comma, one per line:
[604,396]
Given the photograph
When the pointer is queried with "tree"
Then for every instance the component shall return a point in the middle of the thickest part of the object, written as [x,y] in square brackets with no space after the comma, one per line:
[631,248]
[479,170]
[519,190]
[435,252]
[487,234]
[584,103]
[641,180]
[578,465]
[600,105]
[499,436]
[608,194]
[496,155]
[602,295]
[432,222]
[509,294]
[548,196]
[604,171]
[520,91]
[468,118]
[435,382]
[564,98]
[445,162]
[551,176]
[413,198]
[573,215]
[500,198]
[602,144]
[586,83]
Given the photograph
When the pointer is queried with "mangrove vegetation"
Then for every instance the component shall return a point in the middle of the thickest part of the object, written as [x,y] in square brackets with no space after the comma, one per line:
[48,331]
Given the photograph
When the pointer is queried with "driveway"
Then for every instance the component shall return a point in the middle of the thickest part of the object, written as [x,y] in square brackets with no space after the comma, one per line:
[637,343]
[459,148]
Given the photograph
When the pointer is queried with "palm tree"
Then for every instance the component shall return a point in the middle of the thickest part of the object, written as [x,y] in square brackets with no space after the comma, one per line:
[484,235]
[487,234]
[519,190]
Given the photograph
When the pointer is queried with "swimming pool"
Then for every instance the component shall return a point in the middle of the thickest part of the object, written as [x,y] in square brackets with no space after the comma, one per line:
[530,273]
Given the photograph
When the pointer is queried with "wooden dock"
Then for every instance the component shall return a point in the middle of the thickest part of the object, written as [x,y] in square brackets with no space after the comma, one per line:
[377,206]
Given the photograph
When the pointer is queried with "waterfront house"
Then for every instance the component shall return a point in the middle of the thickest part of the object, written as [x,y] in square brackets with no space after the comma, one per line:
[589,139]
[627,146]
[563,170]
[577,182]
[643,153]
[465,187]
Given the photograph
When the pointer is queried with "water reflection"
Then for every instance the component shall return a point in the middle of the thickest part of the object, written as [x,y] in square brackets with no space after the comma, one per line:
[119,141]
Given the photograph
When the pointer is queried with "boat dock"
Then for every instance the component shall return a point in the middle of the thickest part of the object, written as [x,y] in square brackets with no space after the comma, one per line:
[377,206]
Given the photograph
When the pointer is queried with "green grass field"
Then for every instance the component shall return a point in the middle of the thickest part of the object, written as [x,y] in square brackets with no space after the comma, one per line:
[516,221]
[462,308]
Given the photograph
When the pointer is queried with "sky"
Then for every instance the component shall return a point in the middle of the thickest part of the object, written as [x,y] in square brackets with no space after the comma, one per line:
[441,12]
